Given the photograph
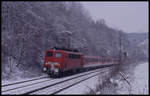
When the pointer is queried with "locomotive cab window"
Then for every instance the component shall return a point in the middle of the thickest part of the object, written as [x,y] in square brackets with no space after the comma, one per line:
[58,55]
[49,54]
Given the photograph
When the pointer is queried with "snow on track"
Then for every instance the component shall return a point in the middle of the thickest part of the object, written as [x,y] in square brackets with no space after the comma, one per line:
[36,87]
[59,87]
[81,88]
[6,88]
[5,82]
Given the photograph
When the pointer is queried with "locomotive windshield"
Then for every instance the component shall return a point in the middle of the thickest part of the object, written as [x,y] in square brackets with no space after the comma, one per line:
[58,55]
[49,54]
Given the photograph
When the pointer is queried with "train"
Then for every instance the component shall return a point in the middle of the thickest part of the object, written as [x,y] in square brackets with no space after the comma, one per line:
[57,61]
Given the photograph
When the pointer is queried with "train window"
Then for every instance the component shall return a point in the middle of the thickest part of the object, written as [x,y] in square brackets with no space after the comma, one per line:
[58,55]
[74,56]
[49,54]
[70,55]
[79,56]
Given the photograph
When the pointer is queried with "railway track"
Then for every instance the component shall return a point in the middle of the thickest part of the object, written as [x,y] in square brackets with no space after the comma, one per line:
[52,86]
[24,84]
[18,82]
[55,89]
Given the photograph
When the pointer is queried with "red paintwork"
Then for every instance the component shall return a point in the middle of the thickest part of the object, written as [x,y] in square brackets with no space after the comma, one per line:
[72,63]
[65,62]
[54,59]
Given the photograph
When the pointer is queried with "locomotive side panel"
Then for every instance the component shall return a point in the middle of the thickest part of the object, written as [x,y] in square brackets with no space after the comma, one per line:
[73,61]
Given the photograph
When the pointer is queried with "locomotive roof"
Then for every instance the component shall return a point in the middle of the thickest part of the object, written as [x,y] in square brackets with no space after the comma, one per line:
[95,57]
[64,51]
[91,56]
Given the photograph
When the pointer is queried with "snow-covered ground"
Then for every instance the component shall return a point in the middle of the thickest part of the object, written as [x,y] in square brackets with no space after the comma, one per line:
[18,74]
[19,79]
[137,76]
[54,88]
[82,87]
[138,79]
[86,86]
[5,82]
[140,85]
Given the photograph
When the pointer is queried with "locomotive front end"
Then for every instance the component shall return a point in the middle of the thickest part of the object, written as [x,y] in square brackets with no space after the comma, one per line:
[53,62]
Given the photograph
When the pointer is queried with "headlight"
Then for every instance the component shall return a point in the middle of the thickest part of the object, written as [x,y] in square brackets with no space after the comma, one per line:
[48,62]
[56,70]
[44,69]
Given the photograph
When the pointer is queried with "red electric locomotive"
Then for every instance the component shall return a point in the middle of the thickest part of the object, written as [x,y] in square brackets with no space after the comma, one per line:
[58,61]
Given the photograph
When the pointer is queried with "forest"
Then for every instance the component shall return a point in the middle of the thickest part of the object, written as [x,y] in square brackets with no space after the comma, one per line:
[30,28]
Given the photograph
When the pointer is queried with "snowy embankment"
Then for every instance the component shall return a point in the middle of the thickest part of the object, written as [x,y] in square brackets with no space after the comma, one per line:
[82,87]
[20,79]
[18,74]
[138,80]
[137,76]
[9,82]
[133,80]
[140,83]
[88,85]
[53,86]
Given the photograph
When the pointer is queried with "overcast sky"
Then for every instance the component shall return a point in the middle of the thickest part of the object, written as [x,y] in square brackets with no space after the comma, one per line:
[127,16]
